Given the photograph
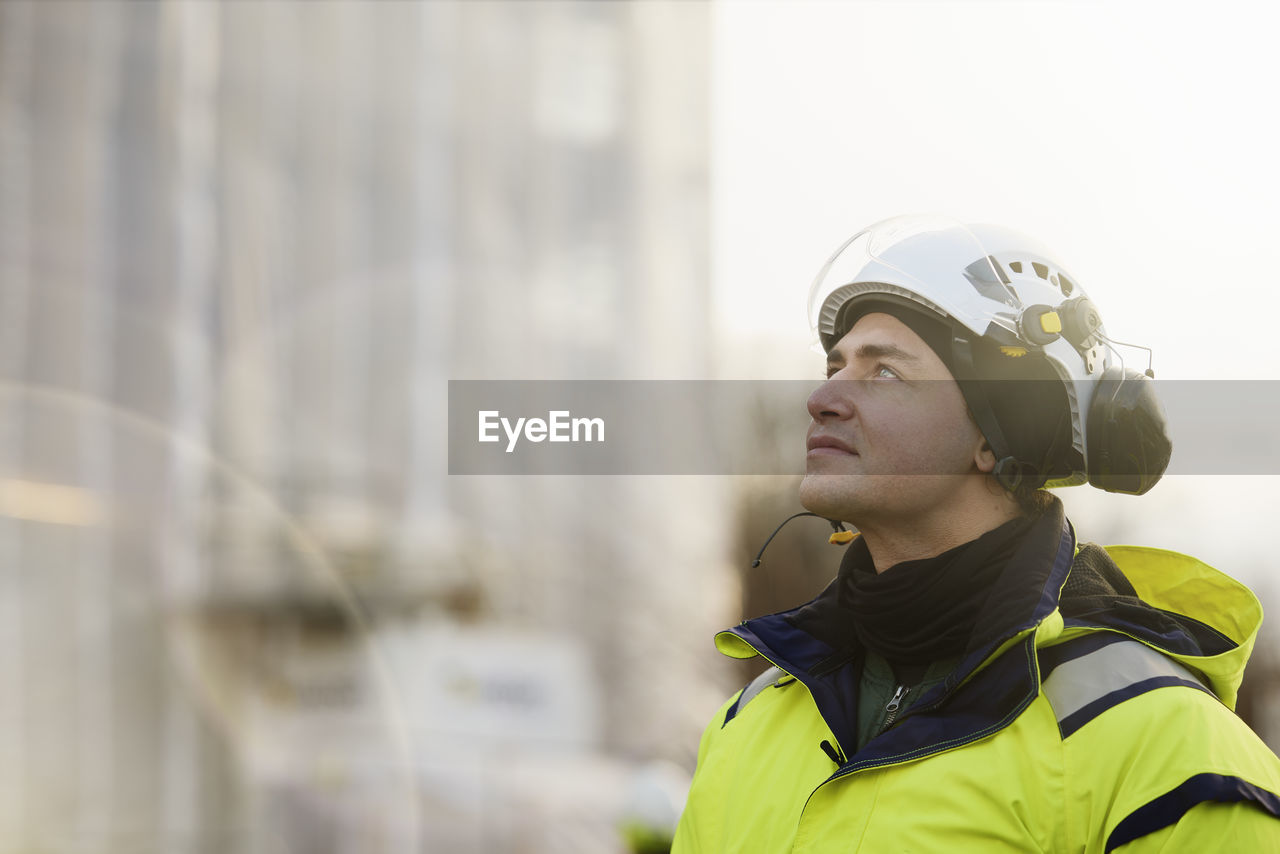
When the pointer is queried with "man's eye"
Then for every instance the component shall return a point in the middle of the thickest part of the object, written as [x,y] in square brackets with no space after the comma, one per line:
[886,372]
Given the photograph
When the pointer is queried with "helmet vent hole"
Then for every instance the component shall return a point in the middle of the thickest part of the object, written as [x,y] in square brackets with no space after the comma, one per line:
[1041,270]
[1015,266]
[1066,284]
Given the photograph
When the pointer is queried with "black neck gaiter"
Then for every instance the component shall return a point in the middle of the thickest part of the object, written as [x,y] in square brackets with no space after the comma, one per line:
[920,611]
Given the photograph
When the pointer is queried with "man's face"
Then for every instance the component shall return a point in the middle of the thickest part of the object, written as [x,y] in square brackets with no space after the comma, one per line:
[891,440]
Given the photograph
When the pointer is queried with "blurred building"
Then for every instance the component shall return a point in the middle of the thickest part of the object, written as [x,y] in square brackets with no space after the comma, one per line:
[243,248]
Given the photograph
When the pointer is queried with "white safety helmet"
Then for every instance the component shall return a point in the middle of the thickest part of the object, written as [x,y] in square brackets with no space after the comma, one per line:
[1002,293]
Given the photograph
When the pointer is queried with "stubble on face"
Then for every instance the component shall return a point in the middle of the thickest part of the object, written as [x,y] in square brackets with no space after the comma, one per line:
[891,441]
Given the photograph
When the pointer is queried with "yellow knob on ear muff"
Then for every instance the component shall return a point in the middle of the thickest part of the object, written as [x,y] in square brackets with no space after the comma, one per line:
[1051,323]
[1014,352]
[840,538]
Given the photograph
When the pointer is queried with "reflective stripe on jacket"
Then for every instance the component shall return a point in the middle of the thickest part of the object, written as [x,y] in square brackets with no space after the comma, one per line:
[1099,732]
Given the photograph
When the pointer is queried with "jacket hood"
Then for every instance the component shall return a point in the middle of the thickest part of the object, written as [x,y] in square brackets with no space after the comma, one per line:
[1194,613]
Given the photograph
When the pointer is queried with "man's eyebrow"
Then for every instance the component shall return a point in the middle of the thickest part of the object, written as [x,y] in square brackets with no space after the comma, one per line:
[873,351]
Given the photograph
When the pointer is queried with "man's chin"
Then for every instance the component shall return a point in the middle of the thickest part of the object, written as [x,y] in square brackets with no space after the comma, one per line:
[827,495]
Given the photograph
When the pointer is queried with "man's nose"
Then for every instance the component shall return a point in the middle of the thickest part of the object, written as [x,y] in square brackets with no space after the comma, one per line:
[832,400]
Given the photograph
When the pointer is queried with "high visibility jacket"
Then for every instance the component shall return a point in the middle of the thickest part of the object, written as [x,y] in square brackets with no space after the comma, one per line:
[1109,730]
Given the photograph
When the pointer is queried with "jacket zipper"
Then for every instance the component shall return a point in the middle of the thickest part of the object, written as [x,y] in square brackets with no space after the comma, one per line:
[854,768]
[891,710]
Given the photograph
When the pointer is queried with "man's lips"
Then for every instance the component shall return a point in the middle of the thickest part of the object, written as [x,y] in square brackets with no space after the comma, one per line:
[829,445]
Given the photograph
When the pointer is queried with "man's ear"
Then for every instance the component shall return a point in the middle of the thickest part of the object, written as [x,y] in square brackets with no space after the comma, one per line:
[984,458]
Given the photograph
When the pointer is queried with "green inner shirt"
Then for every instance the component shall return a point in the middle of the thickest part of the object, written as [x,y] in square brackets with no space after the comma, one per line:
[876,688]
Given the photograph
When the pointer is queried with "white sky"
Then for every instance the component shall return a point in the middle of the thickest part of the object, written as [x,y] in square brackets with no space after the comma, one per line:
[1137,140]
[1138,143]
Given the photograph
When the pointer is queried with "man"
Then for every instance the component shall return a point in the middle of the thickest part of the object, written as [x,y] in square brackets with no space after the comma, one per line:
[975,679]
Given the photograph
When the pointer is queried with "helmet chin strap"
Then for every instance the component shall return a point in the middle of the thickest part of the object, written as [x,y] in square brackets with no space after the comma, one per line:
[1011,473]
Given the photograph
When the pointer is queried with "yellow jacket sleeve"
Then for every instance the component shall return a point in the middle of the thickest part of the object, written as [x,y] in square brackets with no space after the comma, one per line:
[1237,827]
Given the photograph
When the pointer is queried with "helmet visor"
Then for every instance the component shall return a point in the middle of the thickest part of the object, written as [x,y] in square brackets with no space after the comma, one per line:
[933,260]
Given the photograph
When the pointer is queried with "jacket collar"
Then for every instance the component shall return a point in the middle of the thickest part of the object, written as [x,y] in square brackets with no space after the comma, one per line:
[816,644]
[1186,609]
[818,633]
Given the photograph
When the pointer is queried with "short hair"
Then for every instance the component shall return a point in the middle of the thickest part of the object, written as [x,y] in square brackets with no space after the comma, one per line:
[1033,502]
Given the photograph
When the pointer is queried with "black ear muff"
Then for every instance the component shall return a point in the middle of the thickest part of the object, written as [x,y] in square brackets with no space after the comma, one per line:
[1128,442]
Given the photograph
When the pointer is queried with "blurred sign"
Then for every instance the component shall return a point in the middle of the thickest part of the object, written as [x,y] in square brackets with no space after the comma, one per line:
[497,685]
